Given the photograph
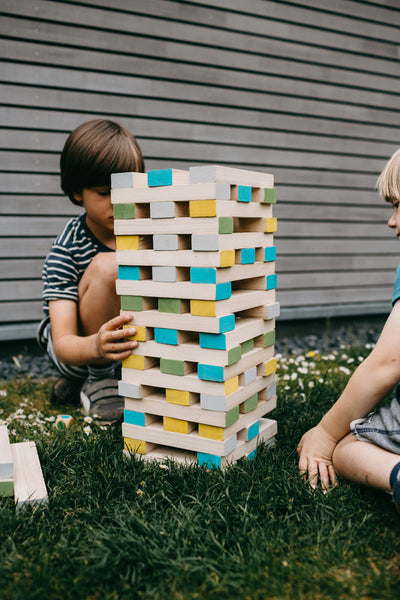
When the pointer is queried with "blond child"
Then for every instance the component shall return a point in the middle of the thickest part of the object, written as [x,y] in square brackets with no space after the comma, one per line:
[349,441]
[82,330]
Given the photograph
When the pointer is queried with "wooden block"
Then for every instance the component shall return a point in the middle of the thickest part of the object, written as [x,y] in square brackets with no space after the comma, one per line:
[170,242]
[219,402]
[240,300]
[6,459]
[210,372]
[249,405]
[135,417]
[178,193]
[180,258]
[271,311]
[269,195]
[138,446]
[249,432]
[132,273]
[209,242]
[63,422]
[185,322]
[236,273]
[203,308]
[172,337]
[127,242]
[168,274]
[244,328]
[247,346]
[162,177]
[135,361]
[137,303]
[220,174]
[271,225]
[247,256]
[128,180]
[244,193]
[176,367]
[225,225]
[162,210]
[202,208]
[173,305]
[177,425]
[270,254]
[180,397]
[143,334]
[227,258]
[192,352]
[133,390]
[192,441]
[29,485]
[124,211]
[270,367]
[211,432]
[248,376]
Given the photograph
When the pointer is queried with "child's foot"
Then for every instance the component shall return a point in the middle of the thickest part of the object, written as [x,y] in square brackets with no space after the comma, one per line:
[100,400]
[66,391]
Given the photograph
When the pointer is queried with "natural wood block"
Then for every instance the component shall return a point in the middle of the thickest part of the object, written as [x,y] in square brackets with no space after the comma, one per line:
[270,311]
[29,485]
[177,425]
[217,401]
[63,422]
[138,446]
[244,328]
[220,174]
[192,352]
[181,397]
[184,290]
[135,361]
[203,208]
[6,459]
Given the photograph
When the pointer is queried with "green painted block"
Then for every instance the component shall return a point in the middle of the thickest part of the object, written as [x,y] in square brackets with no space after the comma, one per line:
[124,211]
[132,302]
[250,404]
[225,225]
[248,346]
[6,487]
[268,339]
[169,366]
[231,416]
[234,355]
[270,195]
[169,305]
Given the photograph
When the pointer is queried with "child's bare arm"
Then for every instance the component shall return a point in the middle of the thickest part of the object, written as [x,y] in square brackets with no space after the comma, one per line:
[369,384]
[108,344]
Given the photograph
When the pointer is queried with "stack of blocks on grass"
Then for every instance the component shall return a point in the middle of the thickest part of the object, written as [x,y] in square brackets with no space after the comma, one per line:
[196,267]
[20,471]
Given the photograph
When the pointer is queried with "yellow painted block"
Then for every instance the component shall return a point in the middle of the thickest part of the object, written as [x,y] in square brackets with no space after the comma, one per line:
[176,425]
[134,361]
[227,258]
[203,208]
[270,367]
[138,446]
[272,225]
[211,432]
[141,334]
[180,397]
[231,385]
[203,308]
[127,242]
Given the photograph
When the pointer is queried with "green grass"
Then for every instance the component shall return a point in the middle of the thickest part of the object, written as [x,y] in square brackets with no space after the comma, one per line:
[120,528]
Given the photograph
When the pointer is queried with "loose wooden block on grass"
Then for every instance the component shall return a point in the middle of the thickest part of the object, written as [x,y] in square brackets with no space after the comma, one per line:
[29,485]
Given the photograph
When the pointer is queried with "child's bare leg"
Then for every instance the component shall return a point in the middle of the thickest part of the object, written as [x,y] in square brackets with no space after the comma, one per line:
[363,462]
[98,301]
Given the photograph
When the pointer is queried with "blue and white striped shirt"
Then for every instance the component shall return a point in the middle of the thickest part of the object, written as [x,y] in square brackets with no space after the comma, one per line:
[68,259]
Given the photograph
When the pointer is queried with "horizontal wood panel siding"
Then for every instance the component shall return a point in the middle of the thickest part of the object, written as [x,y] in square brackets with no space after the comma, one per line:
[307,90]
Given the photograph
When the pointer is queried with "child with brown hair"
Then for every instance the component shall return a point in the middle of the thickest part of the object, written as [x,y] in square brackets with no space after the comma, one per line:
[82,330]
[349,441]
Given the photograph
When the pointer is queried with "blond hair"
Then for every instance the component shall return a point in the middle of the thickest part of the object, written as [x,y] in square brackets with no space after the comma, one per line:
[388,182]
[93,151]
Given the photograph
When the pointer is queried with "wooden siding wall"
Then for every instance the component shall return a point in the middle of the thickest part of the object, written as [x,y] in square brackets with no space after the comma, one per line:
[307,90]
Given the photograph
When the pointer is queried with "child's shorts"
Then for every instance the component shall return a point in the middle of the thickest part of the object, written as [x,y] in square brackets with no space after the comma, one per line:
[45,341]
[382,427]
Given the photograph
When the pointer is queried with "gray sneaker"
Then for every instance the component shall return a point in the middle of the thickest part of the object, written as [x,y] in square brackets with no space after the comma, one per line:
[100,400]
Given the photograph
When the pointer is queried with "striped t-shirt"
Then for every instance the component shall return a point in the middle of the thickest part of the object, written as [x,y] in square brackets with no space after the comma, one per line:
[396,289]
[68,259]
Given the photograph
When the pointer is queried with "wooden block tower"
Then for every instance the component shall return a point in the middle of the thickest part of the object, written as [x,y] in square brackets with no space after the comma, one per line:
[196,266]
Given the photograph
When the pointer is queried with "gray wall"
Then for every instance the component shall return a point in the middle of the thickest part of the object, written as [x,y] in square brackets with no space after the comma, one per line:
[307,90]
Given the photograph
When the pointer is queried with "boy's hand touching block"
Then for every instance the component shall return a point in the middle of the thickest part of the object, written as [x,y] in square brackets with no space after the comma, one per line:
[112,340]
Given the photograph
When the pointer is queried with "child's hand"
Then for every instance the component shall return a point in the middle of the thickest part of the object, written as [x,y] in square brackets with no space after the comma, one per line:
[315,457]
[111,342]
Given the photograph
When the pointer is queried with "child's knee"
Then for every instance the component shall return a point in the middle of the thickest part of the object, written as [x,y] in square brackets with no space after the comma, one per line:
[102,271]
[340,454]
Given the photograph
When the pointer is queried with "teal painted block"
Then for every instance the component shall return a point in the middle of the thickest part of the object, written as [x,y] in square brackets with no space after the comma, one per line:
[272,281]
[248,256]
[270,254]
[166,336]
[127,272]
[252,455]
[203,275]
[253,430]
[210,372]
[159,177]
[209,460]
[226,323]
[223,291]
[244,193]
[214,341]
[133,417]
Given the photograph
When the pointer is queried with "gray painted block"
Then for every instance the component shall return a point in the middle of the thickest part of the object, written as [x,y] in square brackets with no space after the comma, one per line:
[164,273]
[206,243]
[165,241]
[162,210]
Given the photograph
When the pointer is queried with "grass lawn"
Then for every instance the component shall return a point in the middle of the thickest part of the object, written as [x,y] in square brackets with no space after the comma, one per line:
[120,528]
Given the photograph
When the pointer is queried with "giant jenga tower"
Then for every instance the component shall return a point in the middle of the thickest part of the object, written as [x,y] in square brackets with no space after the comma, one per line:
[196,267]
